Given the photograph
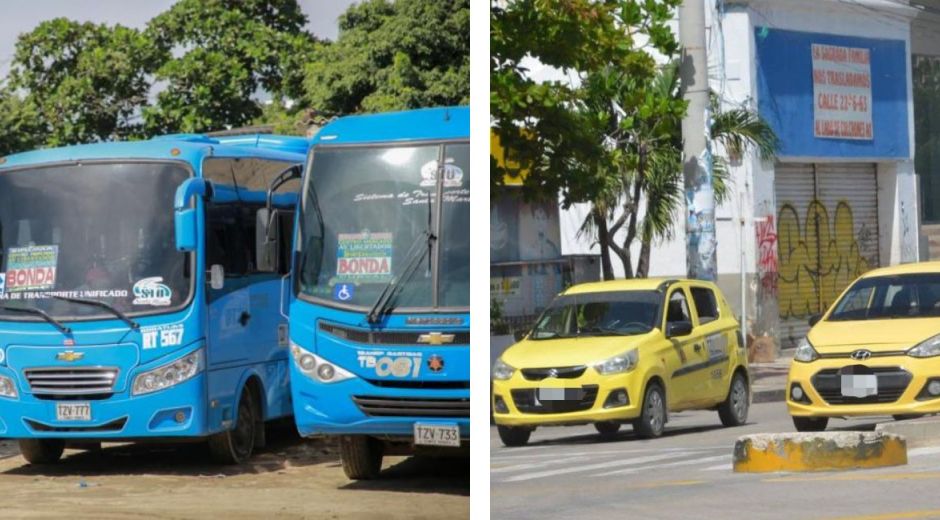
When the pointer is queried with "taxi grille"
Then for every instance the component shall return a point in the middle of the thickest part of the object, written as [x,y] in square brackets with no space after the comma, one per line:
[376,406]
[526,402]
[892,382]
[72,381]
[538,374]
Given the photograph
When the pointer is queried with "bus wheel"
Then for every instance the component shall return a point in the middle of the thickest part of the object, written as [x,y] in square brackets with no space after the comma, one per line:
[42,451]
[235,446]
[361,456]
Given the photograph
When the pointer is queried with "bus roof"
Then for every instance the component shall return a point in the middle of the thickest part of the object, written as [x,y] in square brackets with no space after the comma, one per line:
[192,148]
[425,124]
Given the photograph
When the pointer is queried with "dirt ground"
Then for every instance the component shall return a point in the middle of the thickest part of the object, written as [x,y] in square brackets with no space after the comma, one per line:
[291,478]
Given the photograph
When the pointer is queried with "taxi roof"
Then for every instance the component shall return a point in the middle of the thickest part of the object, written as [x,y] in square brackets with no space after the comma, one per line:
[635,284]
[425,124]
[914,268]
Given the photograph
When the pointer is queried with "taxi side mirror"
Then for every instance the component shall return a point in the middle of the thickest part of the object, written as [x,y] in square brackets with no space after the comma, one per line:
[678,329]
[814,319]
[520,335]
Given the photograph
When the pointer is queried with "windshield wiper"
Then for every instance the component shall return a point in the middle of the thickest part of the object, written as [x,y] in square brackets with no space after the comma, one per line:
[123,317]
[415,255]
[39,312]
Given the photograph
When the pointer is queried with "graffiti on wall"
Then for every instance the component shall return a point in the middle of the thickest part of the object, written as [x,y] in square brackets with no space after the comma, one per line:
[817,257]
[767,255]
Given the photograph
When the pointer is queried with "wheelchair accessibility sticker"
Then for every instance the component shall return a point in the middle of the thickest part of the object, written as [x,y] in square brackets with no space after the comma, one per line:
[344,291]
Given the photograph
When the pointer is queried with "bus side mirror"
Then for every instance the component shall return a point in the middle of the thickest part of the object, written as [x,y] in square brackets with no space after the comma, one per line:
[186,230]
[217,277]
[267,229]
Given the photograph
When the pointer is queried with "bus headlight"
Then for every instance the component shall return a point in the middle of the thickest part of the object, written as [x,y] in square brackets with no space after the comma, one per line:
[171,374]
[7,388]
[317,368]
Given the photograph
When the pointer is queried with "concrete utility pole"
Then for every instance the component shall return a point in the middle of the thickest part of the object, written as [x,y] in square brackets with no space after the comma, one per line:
[701,260]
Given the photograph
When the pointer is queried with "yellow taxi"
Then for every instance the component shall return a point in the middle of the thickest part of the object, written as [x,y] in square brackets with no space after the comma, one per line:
[876,351]
[624,351]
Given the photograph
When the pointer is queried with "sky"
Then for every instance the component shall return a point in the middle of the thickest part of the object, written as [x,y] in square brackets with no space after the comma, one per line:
[22,16]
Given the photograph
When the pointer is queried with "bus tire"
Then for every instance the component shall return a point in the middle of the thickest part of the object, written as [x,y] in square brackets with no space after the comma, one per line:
[42,451]
[361,456]
[236,445]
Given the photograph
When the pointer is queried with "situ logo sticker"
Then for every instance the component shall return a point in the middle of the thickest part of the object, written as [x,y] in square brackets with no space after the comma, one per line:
[162,336]
[453,175]
[31,268]
[364,256]
[151,291]
[408,365]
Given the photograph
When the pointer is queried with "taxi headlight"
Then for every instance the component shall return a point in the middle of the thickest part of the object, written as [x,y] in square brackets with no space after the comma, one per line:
[928,348]
[317,368]
[502,371]
[618,364]
[805,352]
[7,388]
[171,374]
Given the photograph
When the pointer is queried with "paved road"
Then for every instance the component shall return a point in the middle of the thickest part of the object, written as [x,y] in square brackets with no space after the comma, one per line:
[569,472]
[291,478]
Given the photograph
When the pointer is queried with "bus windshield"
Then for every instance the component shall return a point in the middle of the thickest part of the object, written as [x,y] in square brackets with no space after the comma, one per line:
[99,231]
[365,210]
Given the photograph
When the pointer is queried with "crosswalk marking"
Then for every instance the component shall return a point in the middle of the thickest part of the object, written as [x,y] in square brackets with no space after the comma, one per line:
[591,467]
[688,462]
[719,467]
[533,465]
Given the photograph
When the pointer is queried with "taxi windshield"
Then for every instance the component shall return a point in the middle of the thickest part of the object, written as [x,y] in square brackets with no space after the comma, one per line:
[890,297]
[615,313]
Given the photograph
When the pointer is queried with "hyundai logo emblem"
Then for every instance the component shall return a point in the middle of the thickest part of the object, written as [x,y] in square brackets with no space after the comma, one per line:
[861,354]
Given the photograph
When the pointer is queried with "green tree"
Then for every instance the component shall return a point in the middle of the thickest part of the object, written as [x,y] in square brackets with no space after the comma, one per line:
[223,54]
[74,82]
[393,56]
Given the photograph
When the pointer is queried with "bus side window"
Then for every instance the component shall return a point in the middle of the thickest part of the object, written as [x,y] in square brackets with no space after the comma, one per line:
[226,241]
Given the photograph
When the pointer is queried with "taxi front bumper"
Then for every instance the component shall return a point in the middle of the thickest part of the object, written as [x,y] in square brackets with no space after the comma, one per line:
[901,387]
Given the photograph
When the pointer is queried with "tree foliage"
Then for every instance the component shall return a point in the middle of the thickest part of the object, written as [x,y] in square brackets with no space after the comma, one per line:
[394,56]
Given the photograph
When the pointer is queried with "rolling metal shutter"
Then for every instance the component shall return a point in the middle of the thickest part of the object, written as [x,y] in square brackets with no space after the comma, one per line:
[827,235]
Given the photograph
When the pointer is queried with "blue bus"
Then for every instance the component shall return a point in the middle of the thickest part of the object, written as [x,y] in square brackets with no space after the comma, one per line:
[132,302]
[379,319]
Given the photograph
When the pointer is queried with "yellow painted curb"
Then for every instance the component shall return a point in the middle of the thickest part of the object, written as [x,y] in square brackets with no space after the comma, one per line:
[824,451]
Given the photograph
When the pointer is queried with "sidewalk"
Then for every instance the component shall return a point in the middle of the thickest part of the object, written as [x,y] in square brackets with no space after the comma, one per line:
[769,380]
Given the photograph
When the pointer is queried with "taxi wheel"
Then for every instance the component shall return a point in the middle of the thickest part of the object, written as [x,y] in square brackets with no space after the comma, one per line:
[810,424]
[513,436]
[42,451]
[652,420]
[733,411]
[361,456]
[607,429]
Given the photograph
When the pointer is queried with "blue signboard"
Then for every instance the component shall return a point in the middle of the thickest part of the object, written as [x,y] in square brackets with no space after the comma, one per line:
[786,95]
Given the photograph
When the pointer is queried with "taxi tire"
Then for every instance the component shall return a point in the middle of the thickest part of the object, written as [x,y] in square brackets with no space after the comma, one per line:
[236,445]
[42,451]
[361,456]
[642,426]
[513,437]
[810,424]
[607,428]
[726,410]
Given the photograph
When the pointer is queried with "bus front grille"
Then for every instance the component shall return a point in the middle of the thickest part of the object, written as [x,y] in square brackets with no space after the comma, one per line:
[71,381]
[374,406]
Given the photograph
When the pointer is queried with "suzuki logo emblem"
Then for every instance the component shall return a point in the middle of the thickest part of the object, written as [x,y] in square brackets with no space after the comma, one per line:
[552,372]
[861,354]
[69,355]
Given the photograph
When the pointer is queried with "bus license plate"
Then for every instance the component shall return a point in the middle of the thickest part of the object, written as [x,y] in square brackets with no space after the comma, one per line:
[73,411]
[437,435]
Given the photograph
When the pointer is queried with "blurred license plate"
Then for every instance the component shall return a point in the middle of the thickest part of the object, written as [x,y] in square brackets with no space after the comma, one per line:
[73,411]
[437,435]
[859,385]
[560,394]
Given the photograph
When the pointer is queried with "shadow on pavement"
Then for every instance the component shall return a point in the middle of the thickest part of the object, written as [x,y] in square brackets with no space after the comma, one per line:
[284,449]
[422,474]
[625,434]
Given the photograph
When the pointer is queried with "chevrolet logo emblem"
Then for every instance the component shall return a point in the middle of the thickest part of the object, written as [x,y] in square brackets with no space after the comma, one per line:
[436,338]
[69,356]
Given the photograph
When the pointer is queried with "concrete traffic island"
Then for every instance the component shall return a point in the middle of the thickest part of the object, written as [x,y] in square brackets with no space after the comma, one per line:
[917,432]
[823,451]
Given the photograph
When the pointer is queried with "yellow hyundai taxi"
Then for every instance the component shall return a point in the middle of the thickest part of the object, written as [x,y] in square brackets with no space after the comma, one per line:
[876,351]
[625,351]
